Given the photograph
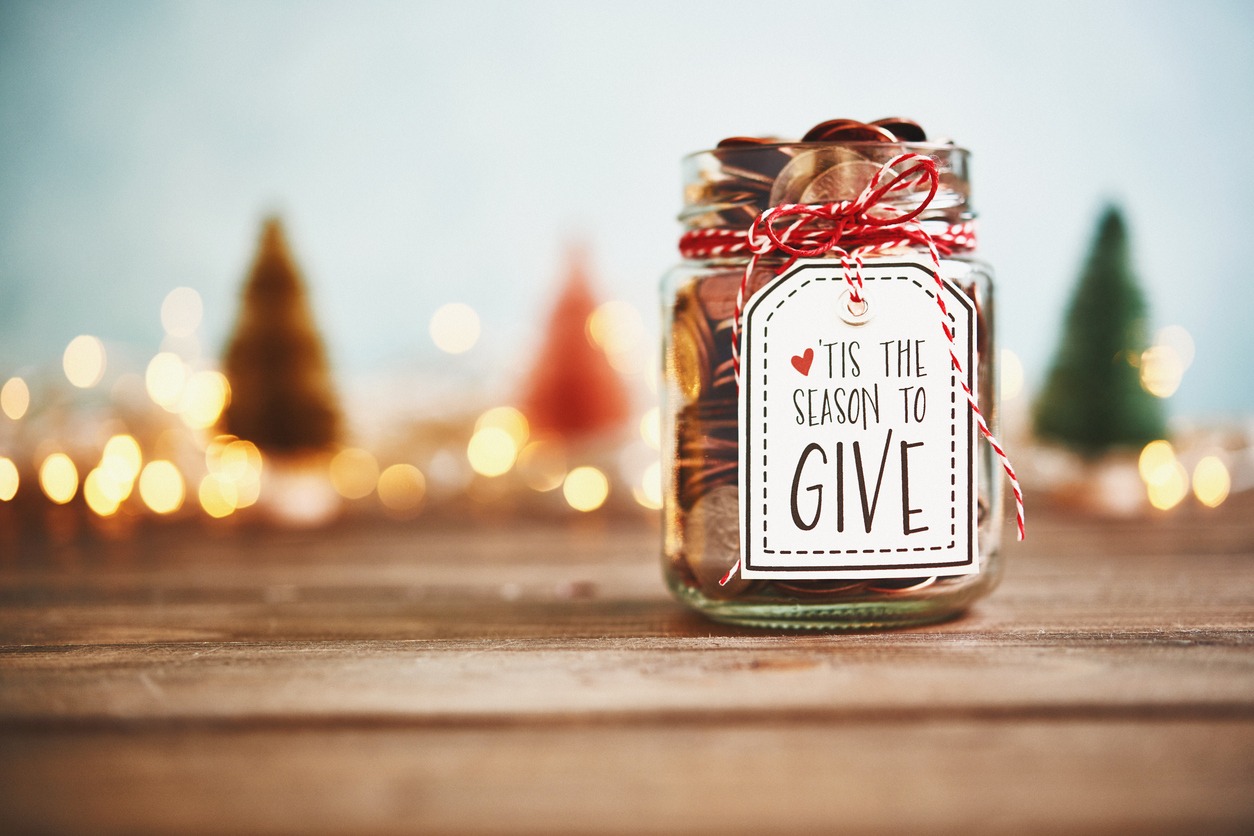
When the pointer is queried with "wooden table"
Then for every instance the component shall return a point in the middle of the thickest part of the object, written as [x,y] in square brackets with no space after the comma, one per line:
[476,678]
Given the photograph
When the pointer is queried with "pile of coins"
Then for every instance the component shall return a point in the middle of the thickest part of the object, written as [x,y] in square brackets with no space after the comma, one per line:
[833,161]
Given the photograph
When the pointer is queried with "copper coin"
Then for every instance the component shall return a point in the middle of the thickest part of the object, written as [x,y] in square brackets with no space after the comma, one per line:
[856,133]
[844,181]
[746,141]
[805,168]
[750,160]
[905,130]
[820,131]
[832,587]
[901,586]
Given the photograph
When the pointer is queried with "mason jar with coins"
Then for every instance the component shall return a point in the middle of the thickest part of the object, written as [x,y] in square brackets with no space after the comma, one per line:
[828,390]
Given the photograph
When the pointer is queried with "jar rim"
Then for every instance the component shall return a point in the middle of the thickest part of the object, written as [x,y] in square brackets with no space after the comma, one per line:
[797,145]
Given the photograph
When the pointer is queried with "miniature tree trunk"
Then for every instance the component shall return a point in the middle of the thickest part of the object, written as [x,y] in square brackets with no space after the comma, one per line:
[1093,399]
[281,394]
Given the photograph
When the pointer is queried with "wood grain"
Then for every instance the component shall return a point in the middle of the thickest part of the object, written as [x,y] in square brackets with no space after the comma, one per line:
[497,679]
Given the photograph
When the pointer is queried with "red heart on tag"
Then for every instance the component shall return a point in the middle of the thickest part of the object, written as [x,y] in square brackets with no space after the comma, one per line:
[801,362]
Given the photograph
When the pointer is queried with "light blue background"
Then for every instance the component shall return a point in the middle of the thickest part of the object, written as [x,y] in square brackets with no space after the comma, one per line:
[428,152]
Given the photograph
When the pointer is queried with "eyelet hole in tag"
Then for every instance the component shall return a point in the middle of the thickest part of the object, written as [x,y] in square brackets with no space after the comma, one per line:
[853,312]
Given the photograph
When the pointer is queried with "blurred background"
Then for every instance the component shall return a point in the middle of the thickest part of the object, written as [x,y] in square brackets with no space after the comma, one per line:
[438,221]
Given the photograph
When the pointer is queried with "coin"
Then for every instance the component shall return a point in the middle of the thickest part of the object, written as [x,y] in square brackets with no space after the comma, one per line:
[713,541]
[751,159]
[832,587]
[905,130]
[792,182]
[688,367]
[856,132]
[900,586]
[746,141]
[706,448]
[689,356]
[820,131]
[843,181]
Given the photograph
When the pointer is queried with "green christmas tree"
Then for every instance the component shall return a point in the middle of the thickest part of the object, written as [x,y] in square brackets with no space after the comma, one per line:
[1093,399]
[282,399]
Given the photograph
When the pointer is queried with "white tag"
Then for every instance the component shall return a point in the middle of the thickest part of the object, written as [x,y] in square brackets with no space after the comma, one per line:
[857,443]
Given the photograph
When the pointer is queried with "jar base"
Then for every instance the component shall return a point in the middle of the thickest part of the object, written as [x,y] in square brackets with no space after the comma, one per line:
[831,615]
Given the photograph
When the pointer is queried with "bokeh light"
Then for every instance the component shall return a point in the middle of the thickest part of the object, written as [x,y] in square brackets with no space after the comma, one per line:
[113,480]
[181,312]
[1170,486]
[1162,370]
[1179,341]
[1156,461]
[9,479]
[238,462]
[218,495]
[14,398]
[121,460]
[491,451]
[165,379]
[542,465]
[455,328]
[100,493]
[617,328]
[402,488]
[585,488]
[161,486]
[1166,480]
[84,361]
[1211,481]
[506,418]
[651,428]
[300,494]
[354,473]
[1011,374]
[58,477]
[204,397]
[649,492]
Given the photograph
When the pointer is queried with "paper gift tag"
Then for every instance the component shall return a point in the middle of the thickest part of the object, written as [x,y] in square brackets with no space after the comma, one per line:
[857,443]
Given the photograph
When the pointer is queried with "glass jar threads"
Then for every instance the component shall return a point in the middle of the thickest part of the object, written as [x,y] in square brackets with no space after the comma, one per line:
[829,372]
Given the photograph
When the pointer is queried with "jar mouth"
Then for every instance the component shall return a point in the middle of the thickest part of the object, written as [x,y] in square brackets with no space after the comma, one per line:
[895,148]
[729,187]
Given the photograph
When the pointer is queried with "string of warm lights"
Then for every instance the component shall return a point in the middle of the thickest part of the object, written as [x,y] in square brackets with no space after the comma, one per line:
[223,475]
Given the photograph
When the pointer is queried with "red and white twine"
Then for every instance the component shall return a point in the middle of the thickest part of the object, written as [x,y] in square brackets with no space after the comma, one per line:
[851,229]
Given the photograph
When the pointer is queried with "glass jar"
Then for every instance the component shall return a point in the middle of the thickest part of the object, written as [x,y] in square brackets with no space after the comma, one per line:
[726,189]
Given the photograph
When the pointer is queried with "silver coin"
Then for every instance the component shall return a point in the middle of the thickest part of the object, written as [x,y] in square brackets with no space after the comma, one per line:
[712,540]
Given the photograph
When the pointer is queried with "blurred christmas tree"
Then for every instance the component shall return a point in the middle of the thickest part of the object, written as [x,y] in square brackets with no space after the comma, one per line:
[281,394]
[1093,399]
[573,392]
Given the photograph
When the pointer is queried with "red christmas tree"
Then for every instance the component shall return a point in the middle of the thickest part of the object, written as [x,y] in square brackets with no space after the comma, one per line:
[573,393]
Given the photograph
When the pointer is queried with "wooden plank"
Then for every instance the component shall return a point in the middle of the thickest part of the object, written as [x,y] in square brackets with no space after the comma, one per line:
[374,587]
[865,777]
[684,679]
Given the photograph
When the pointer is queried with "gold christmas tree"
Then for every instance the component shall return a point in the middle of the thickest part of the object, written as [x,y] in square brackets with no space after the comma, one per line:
[282,397]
